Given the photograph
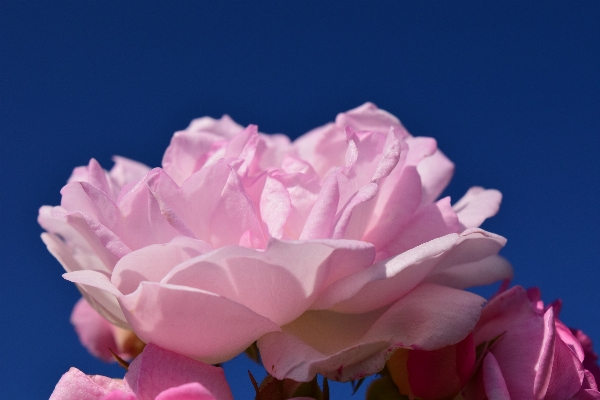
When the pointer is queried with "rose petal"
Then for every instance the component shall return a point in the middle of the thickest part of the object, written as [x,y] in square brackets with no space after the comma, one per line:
[493,380]
[521,330]
[189,391]
[126,171]
[158,372]
[95,333]
[386,281]
[350,346]
[190,149]
[433,221]
[477,205]
[226,213]
[100,293]
[75,385]
[194,322]
[152,263]
[257,279]
[435,171]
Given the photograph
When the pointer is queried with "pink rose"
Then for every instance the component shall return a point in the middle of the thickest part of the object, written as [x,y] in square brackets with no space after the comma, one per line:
[331,251]
[531,355]
[155,374]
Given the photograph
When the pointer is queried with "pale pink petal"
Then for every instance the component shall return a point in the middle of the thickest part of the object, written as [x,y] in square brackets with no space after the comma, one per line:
[96,176]
[141,212]
[152,263]
[190,149]
[474,262]
[188,391]
[75,385]
[157,370]
[352,220]
[397,201]
[433,221]
[212,204]
[194,322]
[493,380]
[477,205]
[419,149]
[258,279]
[100,293]
[385,281]
[275,206]
[242,148]
[126,171]
[368,117]
[95,333]
[271,151]
[436,171]
[350,346]
[324,148]
[319,224]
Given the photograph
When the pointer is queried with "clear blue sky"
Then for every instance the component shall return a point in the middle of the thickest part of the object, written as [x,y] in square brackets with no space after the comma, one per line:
[511,91]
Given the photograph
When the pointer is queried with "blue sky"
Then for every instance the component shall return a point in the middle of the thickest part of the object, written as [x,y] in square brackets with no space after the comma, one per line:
[510,90]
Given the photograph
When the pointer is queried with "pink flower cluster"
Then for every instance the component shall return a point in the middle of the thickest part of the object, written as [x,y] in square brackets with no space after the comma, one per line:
[330,252]
[519,349]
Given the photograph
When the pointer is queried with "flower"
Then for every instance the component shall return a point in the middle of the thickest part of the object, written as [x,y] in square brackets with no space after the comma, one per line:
[330,251]
[155,374]
[531,354]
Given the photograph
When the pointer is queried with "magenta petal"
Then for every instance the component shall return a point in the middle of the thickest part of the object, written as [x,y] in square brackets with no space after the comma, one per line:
[158,370]
[493,380]
[194,322]
[397,201]
[567,372]
[350,346]
[523,335]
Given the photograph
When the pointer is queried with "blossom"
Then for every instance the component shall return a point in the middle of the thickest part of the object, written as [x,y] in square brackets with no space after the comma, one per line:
[155,374]
[531,355]
[331,251]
